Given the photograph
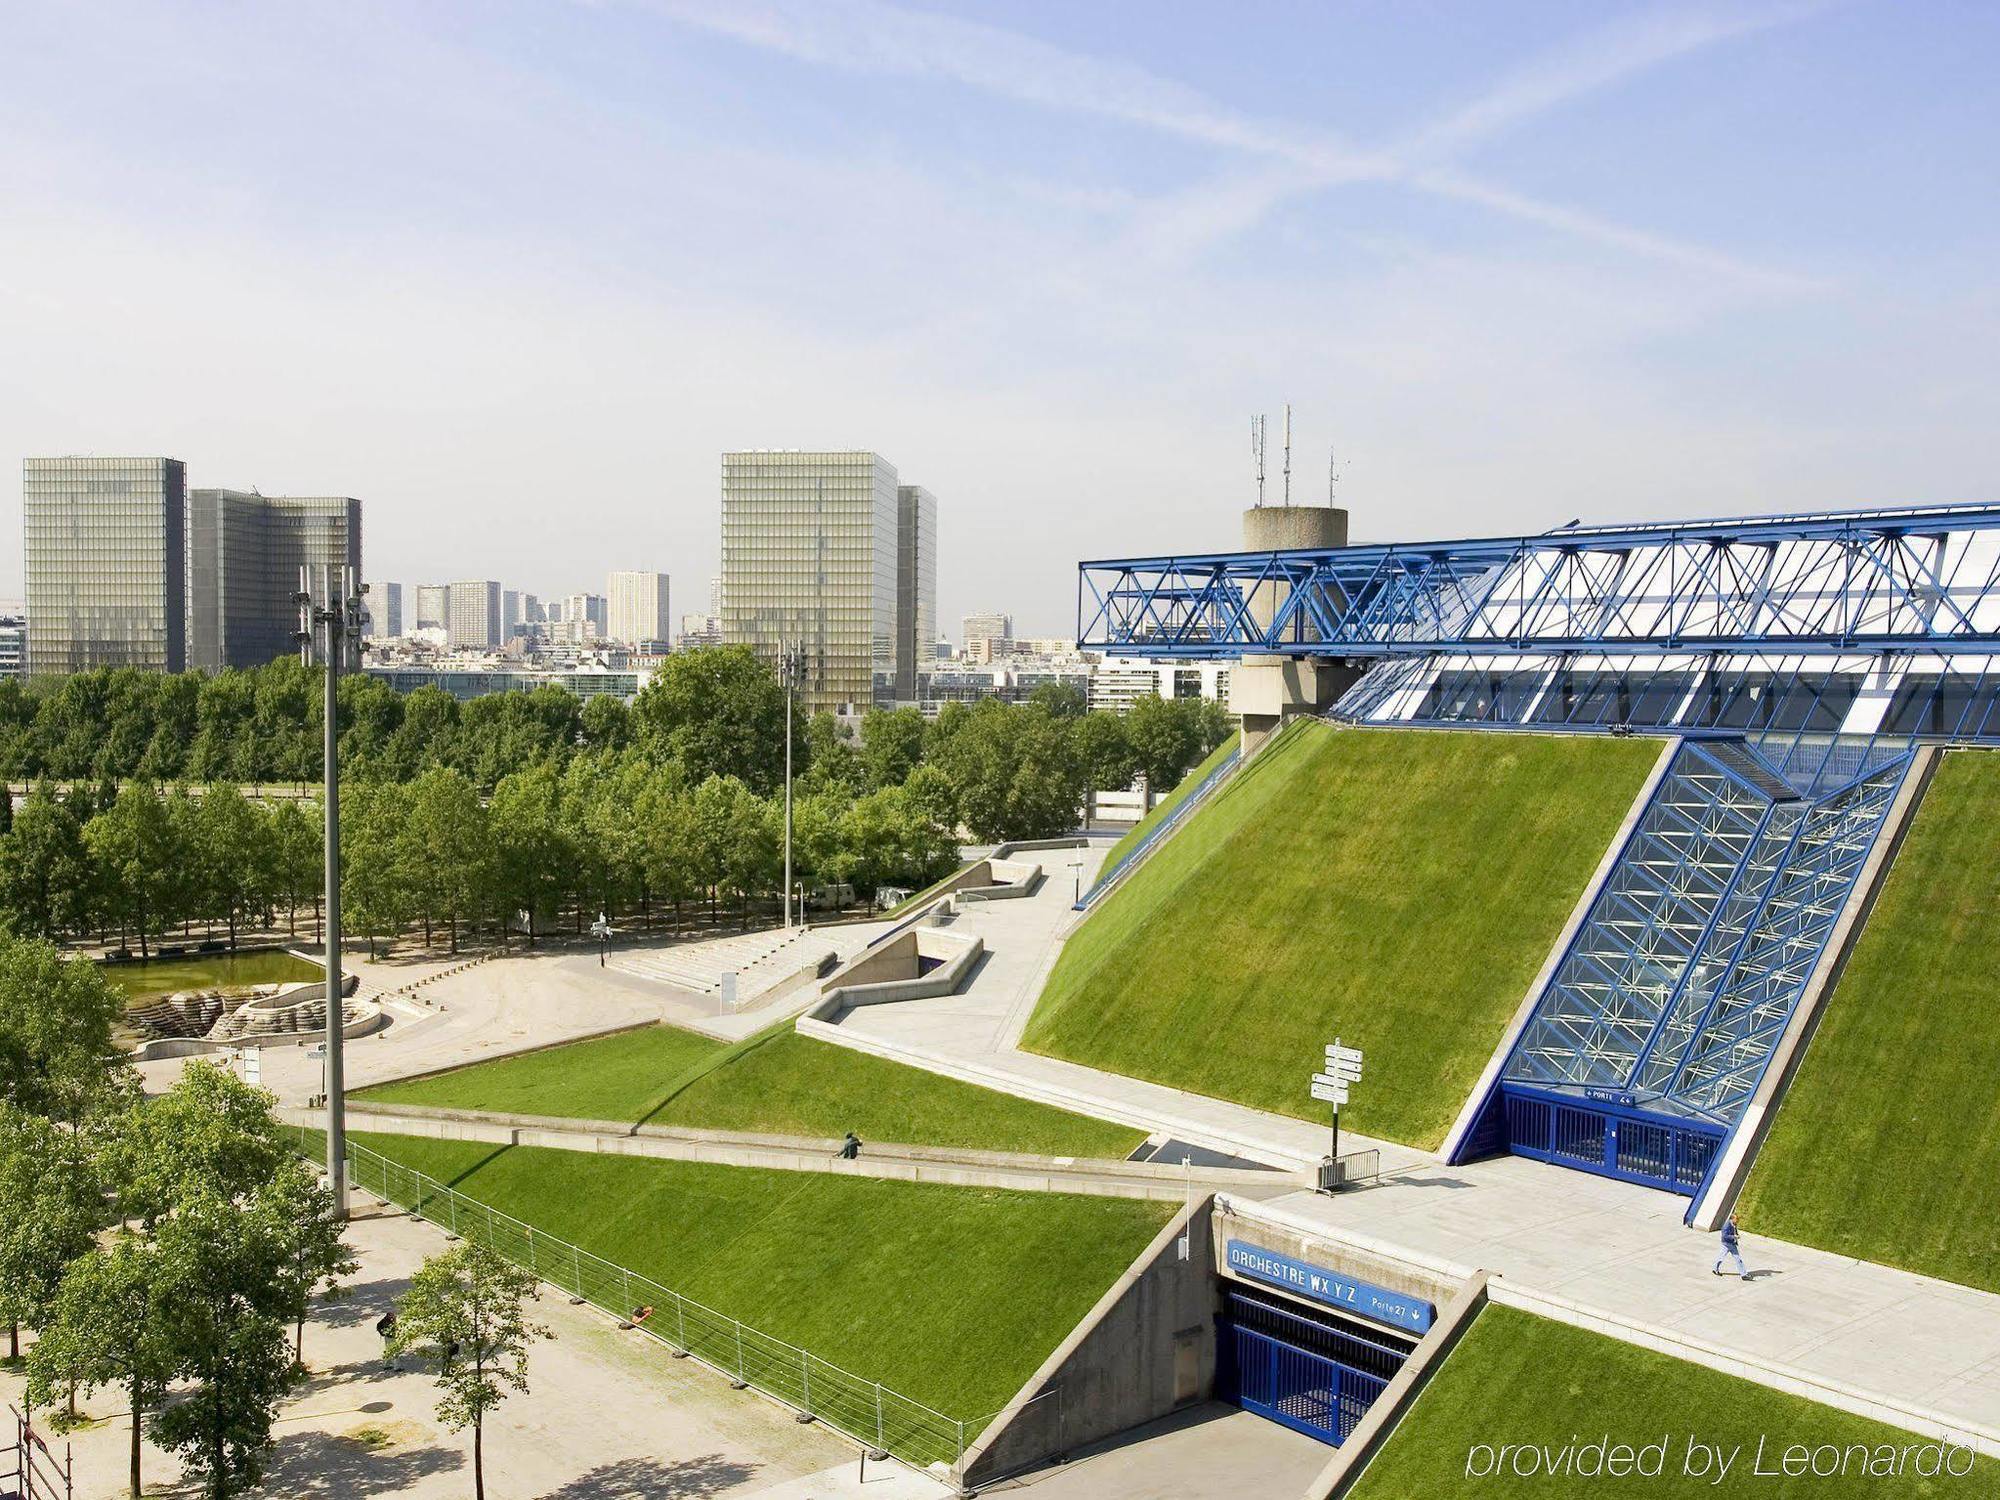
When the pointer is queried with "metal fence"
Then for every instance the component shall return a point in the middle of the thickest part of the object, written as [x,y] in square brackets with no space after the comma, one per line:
[864,1410]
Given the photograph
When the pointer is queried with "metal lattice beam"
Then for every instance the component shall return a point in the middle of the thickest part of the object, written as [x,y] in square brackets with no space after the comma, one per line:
[1925,578]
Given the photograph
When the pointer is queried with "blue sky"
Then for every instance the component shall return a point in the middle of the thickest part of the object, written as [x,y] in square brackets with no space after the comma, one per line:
[516,273]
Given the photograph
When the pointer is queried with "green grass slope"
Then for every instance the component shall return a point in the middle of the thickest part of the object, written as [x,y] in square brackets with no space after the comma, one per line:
[1164,808]
[1398,889]
[1516,1378]
[952,1296]
[1887,1144]
[777,1082]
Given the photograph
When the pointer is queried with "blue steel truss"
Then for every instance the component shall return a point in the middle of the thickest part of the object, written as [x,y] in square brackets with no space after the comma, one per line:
[1924,578]
[1671,998]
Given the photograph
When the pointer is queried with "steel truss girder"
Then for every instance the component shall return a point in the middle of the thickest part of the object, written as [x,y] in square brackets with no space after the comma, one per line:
[1925,578]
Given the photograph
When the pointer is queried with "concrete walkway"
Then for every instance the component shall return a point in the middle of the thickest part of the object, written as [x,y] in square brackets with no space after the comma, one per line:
[1615,1256]
[974,1035]
[1160,1180]
[608,1416]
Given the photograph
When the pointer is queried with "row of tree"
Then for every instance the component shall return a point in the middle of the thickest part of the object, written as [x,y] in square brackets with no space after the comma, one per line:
[624,826]
[159,1244]
[717,711]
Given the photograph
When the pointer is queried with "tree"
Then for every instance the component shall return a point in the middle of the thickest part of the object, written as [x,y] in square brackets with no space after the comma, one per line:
[450,848]
[1104,752]
[465,1310]
[1015,772]
[312,1246]
[533,849]
[223,1271]
[1064,700]
[377,880]
[45,874]
[237,857]
[107,1327]
[892,743]
[55,1030]
[211,1133]
[719,711]
[1166,738]
[49,1183]
[132,844]
[607,723]
[298,859]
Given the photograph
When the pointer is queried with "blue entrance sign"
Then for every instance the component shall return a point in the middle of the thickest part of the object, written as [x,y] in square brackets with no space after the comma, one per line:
[1349,1293]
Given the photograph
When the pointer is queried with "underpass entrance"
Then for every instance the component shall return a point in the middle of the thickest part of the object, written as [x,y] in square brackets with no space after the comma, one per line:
[1317,1371]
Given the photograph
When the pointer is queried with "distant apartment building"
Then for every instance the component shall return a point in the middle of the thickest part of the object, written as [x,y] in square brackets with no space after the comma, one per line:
[13,647]
[106,563]
[433,604]
[385,610]
[916,584]
[700,630]
[1117,680]
[578,619]
[985,636]
[812,555]
[636,612]
[472,614]
[244,553]
[512,615]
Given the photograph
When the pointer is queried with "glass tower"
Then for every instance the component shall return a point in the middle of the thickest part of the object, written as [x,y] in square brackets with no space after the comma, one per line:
[916,585]
[809,555]
[244,556]
[106,554]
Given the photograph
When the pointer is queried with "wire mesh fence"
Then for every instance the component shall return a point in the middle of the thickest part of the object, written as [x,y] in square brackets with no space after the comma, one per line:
[864,1410]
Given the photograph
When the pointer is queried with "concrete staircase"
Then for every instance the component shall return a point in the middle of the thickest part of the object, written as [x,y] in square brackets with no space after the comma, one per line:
[757,959]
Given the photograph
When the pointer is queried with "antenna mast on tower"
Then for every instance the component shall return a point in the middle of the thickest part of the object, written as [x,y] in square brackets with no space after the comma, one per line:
[1288,453]
[1257,453]
[1333,473]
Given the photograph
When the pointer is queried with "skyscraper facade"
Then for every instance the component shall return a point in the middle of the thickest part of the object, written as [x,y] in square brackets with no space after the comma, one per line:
[106,555]
[986,635]
[472,614]
[809,555]
[636,609]
[433,604]
[245,551]
[916,584]
[385,608]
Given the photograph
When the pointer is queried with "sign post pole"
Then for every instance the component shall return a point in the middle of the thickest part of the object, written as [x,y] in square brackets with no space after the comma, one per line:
[1341,1068]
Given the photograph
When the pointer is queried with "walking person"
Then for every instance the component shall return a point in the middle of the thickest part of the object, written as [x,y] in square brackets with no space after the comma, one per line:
[851,1147]
[386,1326]
[1732,1249]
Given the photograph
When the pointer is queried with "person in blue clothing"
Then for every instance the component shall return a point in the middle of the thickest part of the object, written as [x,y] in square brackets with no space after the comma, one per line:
[1732,1249]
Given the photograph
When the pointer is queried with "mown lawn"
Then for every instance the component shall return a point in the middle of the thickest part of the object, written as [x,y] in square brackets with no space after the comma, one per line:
[1521,1379]
[1397,889]
[952,1296]
[1163,809]
[778,1082]
[1887,1145]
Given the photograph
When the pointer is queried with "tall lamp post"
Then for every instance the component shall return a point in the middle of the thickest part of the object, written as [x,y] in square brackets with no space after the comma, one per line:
[791,670]
[330,616]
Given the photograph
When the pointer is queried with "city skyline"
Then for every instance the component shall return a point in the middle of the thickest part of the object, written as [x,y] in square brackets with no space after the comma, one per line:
[1514,265]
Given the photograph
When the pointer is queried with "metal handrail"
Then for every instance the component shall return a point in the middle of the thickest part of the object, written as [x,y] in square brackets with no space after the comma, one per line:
[882,1420]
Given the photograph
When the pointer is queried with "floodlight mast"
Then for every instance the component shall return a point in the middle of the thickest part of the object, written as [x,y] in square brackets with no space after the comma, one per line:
[330,617]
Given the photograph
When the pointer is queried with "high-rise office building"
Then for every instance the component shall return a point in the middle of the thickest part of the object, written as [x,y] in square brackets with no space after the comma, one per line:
[987,635]
[385,609]
[433,605]
[916,584]
[106,555]
[244,555]
[13,647]
[472,614]
[531,609]
[809,556]
[636,609]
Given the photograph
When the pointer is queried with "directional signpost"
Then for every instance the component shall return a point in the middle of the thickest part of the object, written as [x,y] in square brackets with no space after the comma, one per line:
[1342,1067]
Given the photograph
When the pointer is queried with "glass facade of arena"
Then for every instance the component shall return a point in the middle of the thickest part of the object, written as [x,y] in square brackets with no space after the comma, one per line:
[106,563]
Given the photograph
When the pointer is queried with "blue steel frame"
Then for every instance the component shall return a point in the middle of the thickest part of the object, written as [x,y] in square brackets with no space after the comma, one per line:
[1276,1371]
[1920,578]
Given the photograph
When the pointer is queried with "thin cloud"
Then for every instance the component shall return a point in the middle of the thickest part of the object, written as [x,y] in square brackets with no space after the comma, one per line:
[871,36]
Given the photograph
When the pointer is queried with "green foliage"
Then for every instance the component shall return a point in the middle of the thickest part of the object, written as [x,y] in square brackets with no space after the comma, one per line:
[49,1184]
[210,1133]
[952,1296]
[892,745]
[465,1311]
[1517,1378]
[1906,1051]
[784,1084]
[1164,808]
[1015,770]
[55,1030]
[719,711]
[1396,889]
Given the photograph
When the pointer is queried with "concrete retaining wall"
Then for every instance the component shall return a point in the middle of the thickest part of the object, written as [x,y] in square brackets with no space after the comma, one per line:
[1362,1444]
[1146,1349]
[898,958]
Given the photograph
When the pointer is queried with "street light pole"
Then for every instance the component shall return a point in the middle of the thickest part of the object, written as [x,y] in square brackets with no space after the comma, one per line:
[329,620]
[788,668]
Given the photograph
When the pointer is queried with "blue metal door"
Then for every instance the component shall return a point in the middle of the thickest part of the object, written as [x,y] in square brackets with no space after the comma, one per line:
[1270,1370]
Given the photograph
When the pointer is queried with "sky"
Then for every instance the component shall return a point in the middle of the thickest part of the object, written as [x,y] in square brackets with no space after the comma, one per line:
[516,273]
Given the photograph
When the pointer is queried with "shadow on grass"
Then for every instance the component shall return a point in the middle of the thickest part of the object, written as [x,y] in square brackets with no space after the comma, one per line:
[652,1479]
